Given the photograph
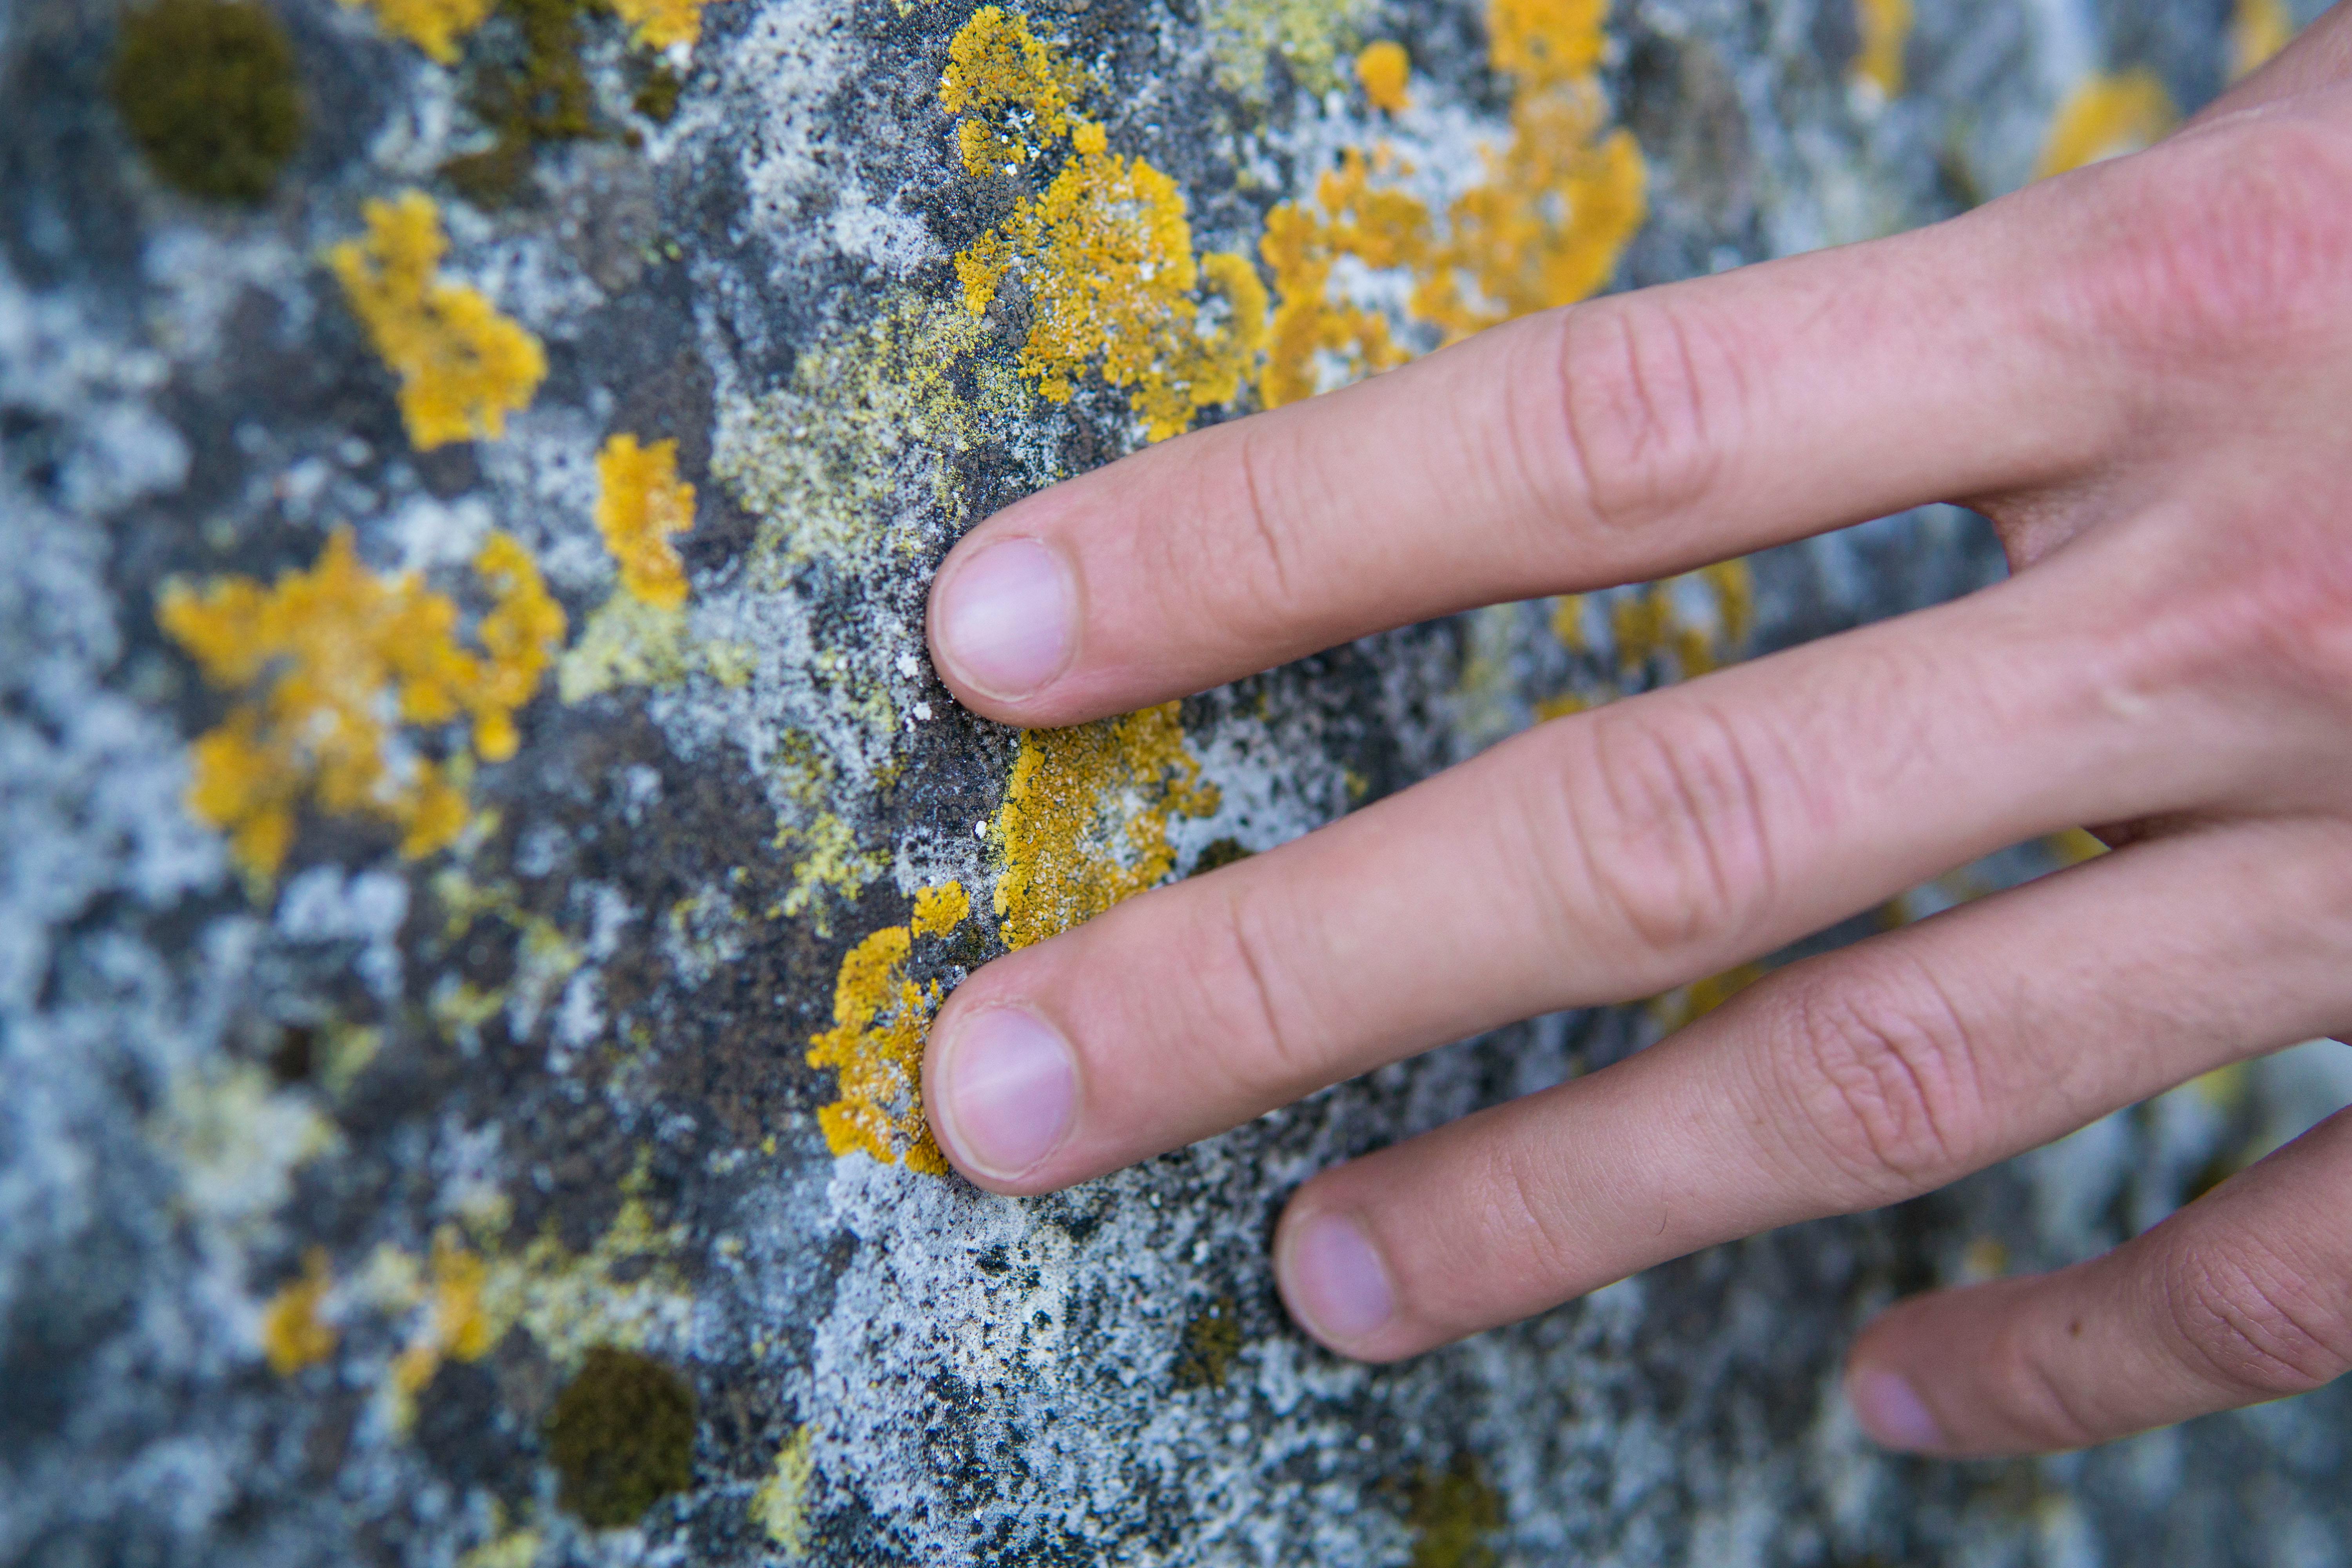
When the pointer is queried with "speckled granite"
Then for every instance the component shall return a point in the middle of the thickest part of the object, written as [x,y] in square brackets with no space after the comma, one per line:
[425,1164]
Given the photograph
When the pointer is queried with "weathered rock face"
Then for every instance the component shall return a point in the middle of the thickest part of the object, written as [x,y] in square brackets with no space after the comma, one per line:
[482,838]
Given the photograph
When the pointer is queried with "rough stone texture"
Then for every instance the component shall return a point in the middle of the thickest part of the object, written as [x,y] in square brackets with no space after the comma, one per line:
[323,1193]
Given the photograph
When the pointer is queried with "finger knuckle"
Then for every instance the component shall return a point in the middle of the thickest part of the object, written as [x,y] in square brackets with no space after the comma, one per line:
[2253,1322]
[1251,991]
[1269,536]
[2231,241]
[2036,1384]
[1251,488]
[1668,828]
[1642,403]
[1881,1070]
[1515,1216]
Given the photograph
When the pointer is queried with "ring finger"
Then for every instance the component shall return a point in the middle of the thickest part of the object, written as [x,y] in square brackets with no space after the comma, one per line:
[1842,1083]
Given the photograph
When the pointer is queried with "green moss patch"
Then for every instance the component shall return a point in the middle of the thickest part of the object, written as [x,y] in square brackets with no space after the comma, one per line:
[1212,1340]
[1451,1513]
[209,92]
[622,1435]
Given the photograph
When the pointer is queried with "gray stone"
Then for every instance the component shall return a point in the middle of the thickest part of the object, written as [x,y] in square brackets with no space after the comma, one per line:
[342,1193]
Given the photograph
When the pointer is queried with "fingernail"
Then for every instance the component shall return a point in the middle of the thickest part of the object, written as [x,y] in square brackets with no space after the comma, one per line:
[1892,1412]
[1336,1281]
[1007,618]
[1009,1093]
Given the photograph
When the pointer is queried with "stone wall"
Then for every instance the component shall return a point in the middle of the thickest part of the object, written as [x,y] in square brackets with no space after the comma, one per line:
[482,839]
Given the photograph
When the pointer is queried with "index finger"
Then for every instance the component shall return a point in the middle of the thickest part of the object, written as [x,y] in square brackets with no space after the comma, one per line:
[1623,438]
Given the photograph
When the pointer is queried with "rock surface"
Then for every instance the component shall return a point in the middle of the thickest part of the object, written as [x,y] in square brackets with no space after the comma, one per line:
[482,839]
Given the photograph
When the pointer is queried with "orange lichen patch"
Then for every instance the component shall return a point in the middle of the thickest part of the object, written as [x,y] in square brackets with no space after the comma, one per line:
[939,910]
[1734,586]
[1303,243]
[1384,68]
[1106,250]
[1545,227]
[1676,629]
[1885,26]
[1568,622]
[1086,816]
[641,501]
[331,662]
[1558,207]
[455,1327]
[876,1045]
[1012,90]
[662,23]
[1654,621]
[292,1336]
[1541,42]
[463,367]
[2106,117]
[520,635]
[433,26]
[1107,254]
[2258,29]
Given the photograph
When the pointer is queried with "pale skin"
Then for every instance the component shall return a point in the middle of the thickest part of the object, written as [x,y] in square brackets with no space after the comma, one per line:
[2142,373]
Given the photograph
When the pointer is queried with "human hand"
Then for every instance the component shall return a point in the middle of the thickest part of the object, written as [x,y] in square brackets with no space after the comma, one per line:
[2142,372]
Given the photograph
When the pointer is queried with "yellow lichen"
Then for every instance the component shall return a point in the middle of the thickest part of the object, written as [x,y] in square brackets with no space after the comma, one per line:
[1105,250]
[331,662]
[832,859]
[1561,201]
[1303,246]
[1560,705]
[1700,997]
[292,1336]
[1384,69]
[1085,822]
[1107,254]
[1012,91]
[1886,28]
[1310,35]
[2106,117]
[628,642]
[939,910]
[873,414]
[2073,847]
[2258,29]
[463,367]
[1700,619]
[1543,42]
[1545,227]
[640,502]
[454,1327]
[781,1505]
[876,1045]
[471,1291]
[1568,622]
[433,26]
[1676,629]
[659,24]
